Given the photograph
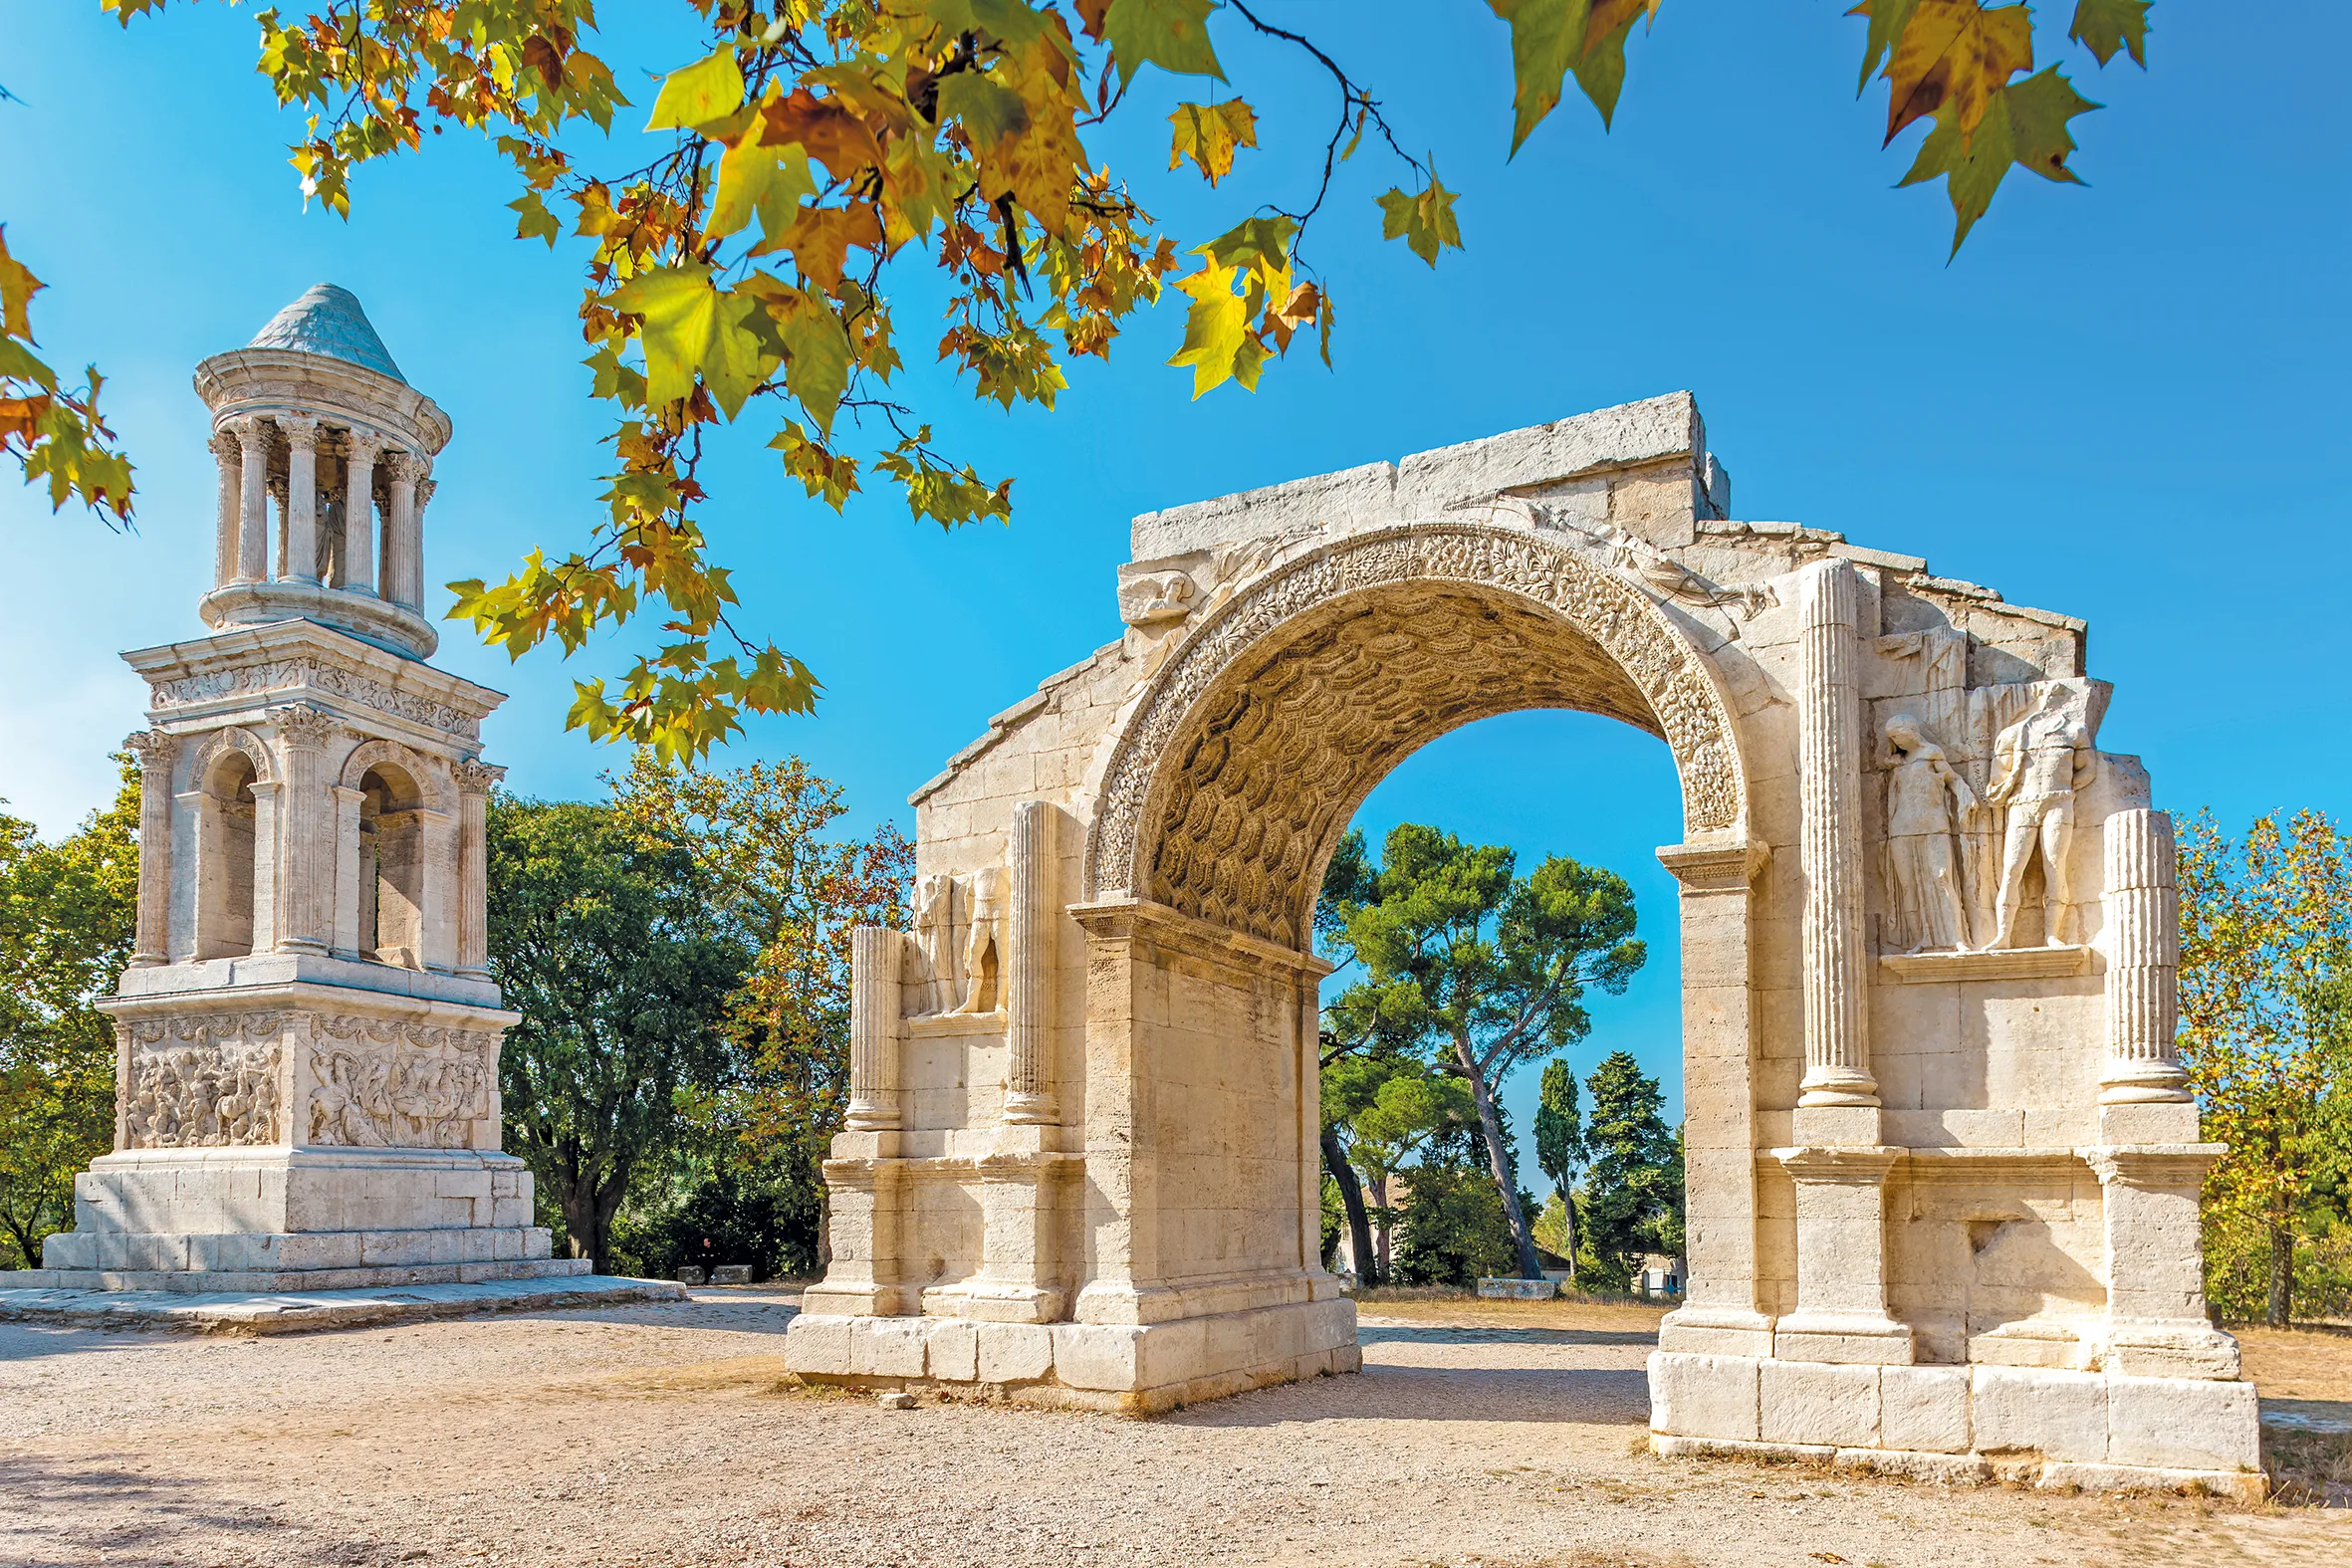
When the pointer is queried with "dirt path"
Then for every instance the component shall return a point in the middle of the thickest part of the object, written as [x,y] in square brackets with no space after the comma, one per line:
[660,1436]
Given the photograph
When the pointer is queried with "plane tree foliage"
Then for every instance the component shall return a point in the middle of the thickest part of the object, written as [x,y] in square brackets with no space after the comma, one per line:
[740,263]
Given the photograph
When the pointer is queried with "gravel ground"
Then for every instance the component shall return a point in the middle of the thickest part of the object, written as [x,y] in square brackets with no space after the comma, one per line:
[665,1436]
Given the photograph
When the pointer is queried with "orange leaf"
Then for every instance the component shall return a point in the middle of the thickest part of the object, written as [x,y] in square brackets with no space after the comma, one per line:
[833,135]
[1957,52]
[821,237]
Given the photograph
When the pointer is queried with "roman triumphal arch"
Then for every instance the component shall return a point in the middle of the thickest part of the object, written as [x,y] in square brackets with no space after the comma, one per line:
[1943,1165]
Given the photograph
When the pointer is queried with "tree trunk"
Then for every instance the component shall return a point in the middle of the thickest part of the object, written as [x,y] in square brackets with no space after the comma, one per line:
[1498,1162]
[2279,1309]
[1351,1198]
[1380,1201]
[1567,1202]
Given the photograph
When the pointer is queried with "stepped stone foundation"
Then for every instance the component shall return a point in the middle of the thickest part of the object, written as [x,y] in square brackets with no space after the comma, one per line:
[1943,1167]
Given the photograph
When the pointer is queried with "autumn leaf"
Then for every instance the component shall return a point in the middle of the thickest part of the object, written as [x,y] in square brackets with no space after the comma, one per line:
[1007,21]
[2105,26]
[535,221]
[1888,18]
[2025,124]
[689,329]
[1170,34]
[17,288]
[1424,222]
[1551,37]
[817,369]
[819,241]
[708,89]
[833,135]
[1954,54]
[1208,134]
[756,178]
[1216,331]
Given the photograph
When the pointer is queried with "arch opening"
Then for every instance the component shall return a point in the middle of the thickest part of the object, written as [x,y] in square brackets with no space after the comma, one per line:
[391,866]
[226,882]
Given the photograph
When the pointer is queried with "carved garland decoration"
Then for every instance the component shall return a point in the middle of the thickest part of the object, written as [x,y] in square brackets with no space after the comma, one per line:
[316,675]
[1612,614]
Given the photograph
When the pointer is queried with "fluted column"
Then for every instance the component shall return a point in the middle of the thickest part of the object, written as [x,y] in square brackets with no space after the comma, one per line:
[227,452]
[1829,767]
[475,781]
[400,529]
[155,750]
[2143,910]
[253,496]
[1028,982]
[301,831]
[358,511]
[347,870]
[873,1028]
[302,497]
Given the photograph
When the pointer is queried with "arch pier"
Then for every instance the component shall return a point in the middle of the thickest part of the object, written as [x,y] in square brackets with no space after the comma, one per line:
[1942,1165]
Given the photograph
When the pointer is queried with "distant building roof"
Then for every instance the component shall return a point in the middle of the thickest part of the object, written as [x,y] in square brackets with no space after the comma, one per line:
[328,321]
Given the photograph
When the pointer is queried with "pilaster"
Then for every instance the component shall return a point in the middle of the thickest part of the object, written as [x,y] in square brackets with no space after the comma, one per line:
[475,781]
[156,752]
[1841,1263]
[2156,1313]
[1829,768]
[303,831]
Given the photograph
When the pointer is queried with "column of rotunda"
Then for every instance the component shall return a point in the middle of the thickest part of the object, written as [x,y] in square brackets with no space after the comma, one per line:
[254,449]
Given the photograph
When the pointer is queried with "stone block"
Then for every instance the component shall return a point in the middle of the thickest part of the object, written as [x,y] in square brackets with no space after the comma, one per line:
[2189,1424]
[1815,1402]
[951,1351]
[1699,1396]
[1096,1355]
[1925,1408]
[2058,1415]
[1015,1352]
[691,1275]
[510,1211]
[732,1274]
[818,1346]
[888,1347]
[1518,1289]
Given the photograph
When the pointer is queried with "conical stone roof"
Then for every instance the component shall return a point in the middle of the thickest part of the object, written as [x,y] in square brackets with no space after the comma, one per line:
[328,321]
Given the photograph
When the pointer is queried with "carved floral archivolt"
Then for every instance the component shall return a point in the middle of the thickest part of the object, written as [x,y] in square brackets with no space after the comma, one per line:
[1266,731]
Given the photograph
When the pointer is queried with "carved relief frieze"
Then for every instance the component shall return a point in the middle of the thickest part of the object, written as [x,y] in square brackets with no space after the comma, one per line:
[381,1083]
[204,1081]
[1282,709]
[312,674]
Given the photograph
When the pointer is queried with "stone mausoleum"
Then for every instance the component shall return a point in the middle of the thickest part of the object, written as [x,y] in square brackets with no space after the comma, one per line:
[1942,1165]
[307,1035]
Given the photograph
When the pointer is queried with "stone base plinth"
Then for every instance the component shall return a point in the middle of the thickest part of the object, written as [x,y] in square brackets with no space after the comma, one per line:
[1136,1368]
[1518,1289]
[300,1309]
[280,1219]
[2046,1426]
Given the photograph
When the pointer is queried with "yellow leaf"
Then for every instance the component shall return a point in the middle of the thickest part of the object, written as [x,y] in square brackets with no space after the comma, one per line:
[1956,54]
[698,93]
[1208,134]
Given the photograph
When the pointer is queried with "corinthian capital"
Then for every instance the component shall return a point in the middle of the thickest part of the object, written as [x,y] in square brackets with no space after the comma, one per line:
[300,430]
[154,748]
[476,777]
[301,726]
[409,465]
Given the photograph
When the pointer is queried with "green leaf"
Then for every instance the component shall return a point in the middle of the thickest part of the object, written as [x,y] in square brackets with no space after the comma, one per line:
[1009,21]
[990,111]
[1260,243]
[698,93]
[756,178]
[1216,329]
[1424,222]
[536,222]
[690,329]
[1549,39]
[1170,34]
[2105,26]
[2025,124]
[1888,18]
[817,369]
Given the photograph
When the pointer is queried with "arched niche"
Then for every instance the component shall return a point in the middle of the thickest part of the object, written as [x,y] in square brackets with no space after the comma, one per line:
[395,792]
[233,777]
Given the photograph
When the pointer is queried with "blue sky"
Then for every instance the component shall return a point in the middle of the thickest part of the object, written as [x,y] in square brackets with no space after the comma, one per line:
[2124,401]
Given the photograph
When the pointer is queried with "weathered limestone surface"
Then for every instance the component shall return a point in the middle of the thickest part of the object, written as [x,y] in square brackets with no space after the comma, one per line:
[307,1037]
[1942,1174]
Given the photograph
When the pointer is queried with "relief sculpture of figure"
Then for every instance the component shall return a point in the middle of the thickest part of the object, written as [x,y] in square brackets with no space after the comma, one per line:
[983,952]
[934,934]
[1931,915]
[2039,762]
